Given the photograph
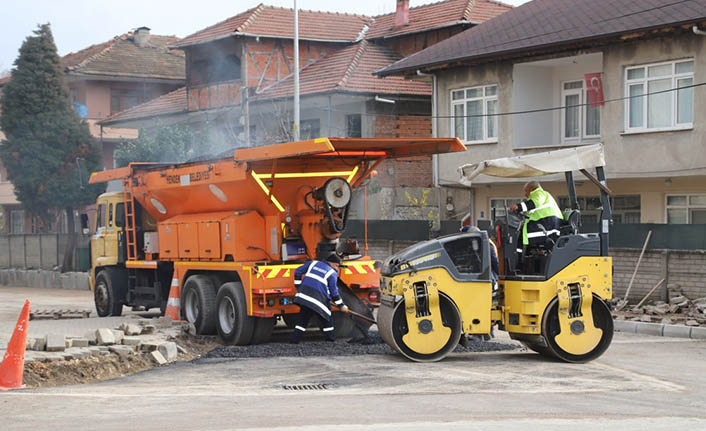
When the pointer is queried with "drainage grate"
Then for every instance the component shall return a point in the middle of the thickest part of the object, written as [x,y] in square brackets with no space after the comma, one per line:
[317,387]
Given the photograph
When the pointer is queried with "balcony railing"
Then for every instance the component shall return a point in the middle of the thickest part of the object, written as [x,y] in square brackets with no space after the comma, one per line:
[214,95]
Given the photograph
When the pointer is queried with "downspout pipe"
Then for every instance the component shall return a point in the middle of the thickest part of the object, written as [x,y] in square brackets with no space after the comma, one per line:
[434,129]
[696,30]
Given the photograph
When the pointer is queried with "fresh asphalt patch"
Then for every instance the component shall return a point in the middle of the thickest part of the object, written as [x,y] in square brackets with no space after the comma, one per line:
[373,345]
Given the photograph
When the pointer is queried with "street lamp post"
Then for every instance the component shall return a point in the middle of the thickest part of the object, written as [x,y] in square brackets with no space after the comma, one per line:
[296,72]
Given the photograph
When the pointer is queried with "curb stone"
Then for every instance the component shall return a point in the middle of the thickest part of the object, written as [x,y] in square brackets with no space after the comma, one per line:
[658,329]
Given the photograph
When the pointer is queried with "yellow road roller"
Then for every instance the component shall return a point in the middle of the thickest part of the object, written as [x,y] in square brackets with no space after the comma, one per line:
[552,296]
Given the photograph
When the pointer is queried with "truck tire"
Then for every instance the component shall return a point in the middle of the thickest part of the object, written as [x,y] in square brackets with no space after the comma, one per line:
[234,325]
[345,326]
[198,303]
[107,293]
[262,331]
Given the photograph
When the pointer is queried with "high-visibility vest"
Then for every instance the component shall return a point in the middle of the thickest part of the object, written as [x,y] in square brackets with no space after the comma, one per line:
[544,206]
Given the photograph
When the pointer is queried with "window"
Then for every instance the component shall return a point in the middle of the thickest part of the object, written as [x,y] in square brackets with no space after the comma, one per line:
[110,215]
[501,204]
[120,215]
[473,110]
[212,70]
[354,126]
[121,99]
[466,254]
[310,129]
[17,221]
[579,120]
[662,111]
[100,216]
[625,208]
[686,209]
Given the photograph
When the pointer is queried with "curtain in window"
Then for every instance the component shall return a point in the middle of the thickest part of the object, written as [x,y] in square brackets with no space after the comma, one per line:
[659,106]
[458,121]
[571,121]
[685,101]
[636,105]
[593,120]
[474,125]
[492,106]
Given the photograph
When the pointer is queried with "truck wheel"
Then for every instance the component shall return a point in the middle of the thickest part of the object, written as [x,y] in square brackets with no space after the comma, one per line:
[234,325]
[344,325]
[262,331]
[198,299]
[107,294]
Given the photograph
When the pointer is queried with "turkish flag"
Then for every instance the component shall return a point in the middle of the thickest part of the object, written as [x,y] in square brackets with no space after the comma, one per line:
[594,86]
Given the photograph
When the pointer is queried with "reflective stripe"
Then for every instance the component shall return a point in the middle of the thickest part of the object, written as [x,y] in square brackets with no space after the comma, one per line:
[328,329]
[297,282]
[535,234]
[322,280]
[173,302]
[339,302]
[314,301]
[299,328]
[175,281]
[540,208]
[519,250]
[524,207]
[553,231]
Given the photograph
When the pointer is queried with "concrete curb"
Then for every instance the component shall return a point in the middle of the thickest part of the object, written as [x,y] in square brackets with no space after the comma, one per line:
[660,330]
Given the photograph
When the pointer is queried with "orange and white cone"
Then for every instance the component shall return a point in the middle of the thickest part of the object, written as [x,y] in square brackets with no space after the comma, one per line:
[173,302]
[13,364]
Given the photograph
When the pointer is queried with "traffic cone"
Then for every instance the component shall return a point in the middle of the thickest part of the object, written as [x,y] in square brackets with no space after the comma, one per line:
[13,364]
[173,303]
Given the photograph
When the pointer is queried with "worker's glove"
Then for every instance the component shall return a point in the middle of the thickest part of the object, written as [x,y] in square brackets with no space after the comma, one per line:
[344,308]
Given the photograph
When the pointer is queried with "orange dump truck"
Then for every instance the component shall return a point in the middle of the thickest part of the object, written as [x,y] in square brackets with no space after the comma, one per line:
[217,242]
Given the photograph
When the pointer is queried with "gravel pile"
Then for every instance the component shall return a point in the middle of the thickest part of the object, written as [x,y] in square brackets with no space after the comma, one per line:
[372,346]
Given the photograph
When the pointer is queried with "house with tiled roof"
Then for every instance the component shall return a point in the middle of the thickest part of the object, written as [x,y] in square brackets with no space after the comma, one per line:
[239,79]
[565,73]
[104,79]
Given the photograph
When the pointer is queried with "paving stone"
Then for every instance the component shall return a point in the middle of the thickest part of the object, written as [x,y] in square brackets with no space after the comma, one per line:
[168,350]
[678,331]
[79,342]
[650,328]
[104,353]
[103,348]
[158,357]
[692,323]
[95,351]
[149,329]
[698,333]
[55,343]
[119,335]
[131,329]
[149,346]
[78,352]
[68,356]
[91,337]
[132,341]
[38,344]
[121,351]
[105,336]
[164,322]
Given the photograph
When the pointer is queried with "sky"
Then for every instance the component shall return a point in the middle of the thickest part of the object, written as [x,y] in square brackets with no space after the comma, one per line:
[77,24]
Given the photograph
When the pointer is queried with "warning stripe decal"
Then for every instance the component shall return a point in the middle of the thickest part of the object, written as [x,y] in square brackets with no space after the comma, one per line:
[286,271]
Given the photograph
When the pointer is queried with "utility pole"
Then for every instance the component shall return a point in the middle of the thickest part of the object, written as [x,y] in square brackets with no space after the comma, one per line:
[296,72]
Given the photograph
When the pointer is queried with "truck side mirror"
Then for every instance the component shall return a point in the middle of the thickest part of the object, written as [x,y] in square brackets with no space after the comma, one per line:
[84,224]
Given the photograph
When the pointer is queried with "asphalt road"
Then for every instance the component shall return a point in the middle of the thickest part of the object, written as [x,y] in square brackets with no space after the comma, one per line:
[640,383]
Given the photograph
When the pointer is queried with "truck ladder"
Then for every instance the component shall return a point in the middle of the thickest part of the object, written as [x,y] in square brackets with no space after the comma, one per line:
[130,234]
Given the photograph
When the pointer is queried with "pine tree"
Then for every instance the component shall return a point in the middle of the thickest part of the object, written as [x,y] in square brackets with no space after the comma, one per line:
[48,149]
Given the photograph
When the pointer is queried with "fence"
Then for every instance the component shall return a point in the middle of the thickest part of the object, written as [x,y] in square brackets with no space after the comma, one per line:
[41,251]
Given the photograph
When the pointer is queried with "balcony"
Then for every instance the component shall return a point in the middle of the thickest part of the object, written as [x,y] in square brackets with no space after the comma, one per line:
[215,95]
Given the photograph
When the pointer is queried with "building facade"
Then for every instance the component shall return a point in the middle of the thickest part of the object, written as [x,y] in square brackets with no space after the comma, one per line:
[536,94]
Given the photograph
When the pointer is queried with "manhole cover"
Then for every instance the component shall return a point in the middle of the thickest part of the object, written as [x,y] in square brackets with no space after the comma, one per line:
[315,387]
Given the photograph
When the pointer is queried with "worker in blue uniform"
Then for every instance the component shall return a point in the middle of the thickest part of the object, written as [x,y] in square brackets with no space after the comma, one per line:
[317,284]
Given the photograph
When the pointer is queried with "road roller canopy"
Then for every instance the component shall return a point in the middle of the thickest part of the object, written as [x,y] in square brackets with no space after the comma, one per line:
[538,164]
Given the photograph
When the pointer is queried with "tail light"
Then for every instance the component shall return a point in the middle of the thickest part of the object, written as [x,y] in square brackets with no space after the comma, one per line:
[374,296]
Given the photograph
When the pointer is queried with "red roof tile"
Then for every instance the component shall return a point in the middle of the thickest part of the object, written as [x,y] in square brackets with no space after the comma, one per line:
[279,22]
[348,70]
[548,24]
[435,15]
[121,56]
[166,104]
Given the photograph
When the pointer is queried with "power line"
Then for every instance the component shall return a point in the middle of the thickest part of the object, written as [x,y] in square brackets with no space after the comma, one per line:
[528,111]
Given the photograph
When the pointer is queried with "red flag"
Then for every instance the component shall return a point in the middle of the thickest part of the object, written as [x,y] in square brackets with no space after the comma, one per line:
[594,86]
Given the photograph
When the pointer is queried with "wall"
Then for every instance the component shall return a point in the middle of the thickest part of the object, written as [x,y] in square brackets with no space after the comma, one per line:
[409,44]
[37,251]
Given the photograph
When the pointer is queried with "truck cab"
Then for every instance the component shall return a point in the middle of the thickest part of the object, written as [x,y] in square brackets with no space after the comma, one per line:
[107,237]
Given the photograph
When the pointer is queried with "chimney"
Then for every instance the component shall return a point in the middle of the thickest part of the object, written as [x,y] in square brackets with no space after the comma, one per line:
[142,36]
[402,15]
